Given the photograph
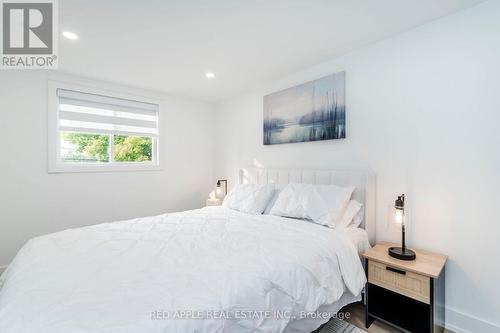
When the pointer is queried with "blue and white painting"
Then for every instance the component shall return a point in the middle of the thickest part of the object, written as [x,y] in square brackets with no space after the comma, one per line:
[311,111]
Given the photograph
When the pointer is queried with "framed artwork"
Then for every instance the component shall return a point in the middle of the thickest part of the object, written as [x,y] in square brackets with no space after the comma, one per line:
[311,111]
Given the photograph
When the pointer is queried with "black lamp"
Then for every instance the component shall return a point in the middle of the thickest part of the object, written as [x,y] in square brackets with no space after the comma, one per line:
[219,186]
[402,252]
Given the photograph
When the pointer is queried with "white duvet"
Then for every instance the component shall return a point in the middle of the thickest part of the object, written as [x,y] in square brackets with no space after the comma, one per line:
[207,270]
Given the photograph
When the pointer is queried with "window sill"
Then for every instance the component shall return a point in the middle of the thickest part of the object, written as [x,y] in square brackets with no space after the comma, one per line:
[121,167]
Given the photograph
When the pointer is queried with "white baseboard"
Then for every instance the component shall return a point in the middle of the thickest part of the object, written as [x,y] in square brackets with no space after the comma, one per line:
[460,322]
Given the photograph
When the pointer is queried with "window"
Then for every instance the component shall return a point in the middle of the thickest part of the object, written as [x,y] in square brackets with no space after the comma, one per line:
[90,130]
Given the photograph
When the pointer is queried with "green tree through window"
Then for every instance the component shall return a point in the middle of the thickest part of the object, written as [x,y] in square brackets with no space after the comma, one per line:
[95,148]
[133,148]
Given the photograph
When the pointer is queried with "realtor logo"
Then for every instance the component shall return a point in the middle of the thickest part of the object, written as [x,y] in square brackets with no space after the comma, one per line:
[29,34]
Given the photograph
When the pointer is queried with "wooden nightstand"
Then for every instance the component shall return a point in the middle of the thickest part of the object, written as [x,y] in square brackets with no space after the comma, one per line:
[213,202]
[408,295]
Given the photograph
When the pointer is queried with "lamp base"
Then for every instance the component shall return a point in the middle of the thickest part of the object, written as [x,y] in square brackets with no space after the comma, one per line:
[398,253]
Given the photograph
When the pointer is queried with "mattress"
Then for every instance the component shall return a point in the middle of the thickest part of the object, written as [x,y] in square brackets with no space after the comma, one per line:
[207,270]
[359,238]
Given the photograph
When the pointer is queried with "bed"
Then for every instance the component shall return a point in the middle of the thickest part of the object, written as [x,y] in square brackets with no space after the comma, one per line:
[206,270]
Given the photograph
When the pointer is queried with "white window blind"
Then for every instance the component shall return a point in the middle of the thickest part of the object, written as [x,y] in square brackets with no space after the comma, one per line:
[90,113]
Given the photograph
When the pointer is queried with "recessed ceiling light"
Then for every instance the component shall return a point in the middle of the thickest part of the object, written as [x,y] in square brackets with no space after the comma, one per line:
[70,35]
[209,75]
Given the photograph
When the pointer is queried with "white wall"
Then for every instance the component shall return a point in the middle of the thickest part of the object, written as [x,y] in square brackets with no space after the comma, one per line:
[423,113]
[34,202]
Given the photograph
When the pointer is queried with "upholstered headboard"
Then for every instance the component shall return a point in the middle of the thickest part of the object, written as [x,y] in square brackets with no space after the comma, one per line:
[363,181]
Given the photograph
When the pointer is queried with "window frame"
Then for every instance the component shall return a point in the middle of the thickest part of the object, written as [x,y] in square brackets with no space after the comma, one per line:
[56,165]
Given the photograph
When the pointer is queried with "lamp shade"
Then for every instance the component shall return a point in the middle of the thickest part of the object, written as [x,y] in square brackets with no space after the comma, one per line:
[218,192]
[398,216]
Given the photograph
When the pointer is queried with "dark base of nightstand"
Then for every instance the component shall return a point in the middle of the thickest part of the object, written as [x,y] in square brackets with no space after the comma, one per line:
[397,310]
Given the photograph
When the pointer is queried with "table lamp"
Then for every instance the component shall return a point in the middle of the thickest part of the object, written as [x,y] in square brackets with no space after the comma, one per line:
[398,219]
[218,189]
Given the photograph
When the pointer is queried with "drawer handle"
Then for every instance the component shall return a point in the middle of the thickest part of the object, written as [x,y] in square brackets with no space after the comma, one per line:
[395,270]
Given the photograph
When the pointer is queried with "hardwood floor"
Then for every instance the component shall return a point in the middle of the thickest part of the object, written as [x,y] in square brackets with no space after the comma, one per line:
[357,318]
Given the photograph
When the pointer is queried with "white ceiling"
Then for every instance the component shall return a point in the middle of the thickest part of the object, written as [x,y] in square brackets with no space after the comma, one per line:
[169,45]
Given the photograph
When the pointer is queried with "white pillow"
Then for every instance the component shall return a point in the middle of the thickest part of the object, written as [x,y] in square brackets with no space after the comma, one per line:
[249,198]
[353,215]
[324,204]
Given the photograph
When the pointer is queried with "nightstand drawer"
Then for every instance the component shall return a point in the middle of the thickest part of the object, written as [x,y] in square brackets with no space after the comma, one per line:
[403,282]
